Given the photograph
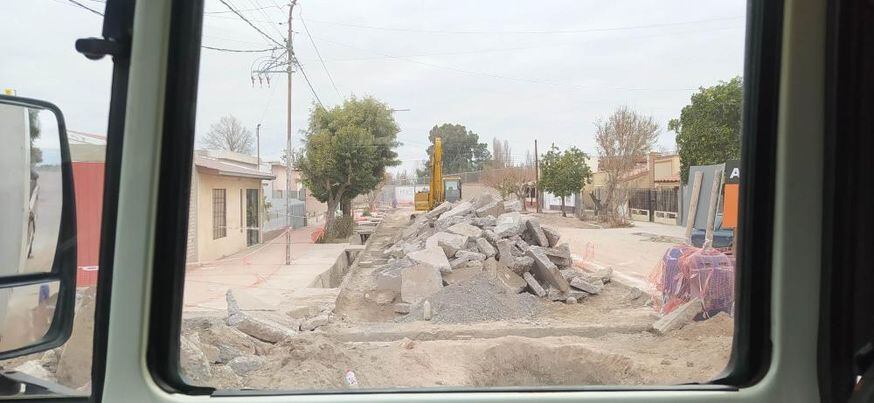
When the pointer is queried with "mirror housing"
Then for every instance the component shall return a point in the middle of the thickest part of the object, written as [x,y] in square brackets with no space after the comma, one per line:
[16,279]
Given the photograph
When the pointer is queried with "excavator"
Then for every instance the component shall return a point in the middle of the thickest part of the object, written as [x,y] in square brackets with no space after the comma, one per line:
[441,188]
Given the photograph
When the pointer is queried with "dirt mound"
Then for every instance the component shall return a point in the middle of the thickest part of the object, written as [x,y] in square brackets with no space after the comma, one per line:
[530,362]
[477,300]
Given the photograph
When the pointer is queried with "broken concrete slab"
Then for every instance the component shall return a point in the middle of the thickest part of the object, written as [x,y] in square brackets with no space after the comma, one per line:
[433,257]
[505,251]
[512,205]
[552,236]
[192,361]
[440,209]
[520,243]
[464,256]
[533,285]
[555,295]
[679,317]
[491,236]
[494,208]
[583,285]
[484,222]
[315,323]
[509,224]
[485,247]
[245,364]
[461,274]
[560,255]
[420,282]
[380,297]
[546,271]
[459,209]
[522,264]
[537,234]
[506,277]
[466,230]
[449,242]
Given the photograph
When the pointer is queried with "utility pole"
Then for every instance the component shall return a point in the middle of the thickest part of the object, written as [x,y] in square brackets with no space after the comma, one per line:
[537,178]
[289,50]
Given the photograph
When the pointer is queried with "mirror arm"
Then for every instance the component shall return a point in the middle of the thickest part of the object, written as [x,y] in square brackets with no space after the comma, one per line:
[96,48]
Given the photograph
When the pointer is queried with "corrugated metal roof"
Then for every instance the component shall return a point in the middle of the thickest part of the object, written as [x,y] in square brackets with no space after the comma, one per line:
[227,168]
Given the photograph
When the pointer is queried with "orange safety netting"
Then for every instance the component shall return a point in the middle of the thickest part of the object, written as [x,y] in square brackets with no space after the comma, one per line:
[686,272]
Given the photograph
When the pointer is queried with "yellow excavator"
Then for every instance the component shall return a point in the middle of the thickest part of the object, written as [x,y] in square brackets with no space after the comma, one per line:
[440,188]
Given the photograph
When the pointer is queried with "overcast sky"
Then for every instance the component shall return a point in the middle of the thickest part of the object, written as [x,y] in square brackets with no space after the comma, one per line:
[515,70]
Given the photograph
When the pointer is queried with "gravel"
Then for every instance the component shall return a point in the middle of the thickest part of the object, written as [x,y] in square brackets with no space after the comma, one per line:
[477,300]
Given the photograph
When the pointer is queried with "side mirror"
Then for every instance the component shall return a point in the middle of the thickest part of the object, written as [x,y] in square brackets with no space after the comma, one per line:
[38,239]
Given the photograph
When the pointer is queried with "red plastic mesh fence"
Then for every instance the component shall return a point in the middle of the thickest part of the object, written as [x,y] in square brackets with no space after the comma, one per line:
[687,272]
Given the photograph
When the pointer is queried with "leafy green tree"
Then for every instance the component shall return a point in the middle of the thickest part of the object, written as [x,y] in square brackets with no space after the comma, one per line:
[709,129]
[564,173]
[462,151]
[346,150]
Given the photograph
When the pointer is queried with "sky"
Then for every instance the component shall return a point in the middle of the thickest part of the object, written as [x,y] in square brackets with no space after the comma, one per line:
[512,70]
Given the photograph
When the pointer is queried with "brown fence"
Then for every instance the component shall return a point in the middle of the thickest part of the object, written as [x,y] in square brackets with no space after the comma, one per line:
[653,204]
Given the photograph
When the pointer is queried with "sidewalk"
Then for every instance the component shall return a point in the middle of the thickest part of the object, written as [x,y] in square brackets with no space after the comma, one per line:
[261,267]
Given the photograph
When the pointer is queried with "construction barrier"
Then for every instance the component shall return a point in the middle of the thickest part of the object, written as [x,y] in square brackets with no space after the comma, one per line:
[686,272]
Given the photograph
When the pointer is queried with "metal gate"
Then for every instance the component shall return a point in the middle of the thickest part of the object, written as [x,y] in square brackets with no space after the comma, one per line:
[654,205]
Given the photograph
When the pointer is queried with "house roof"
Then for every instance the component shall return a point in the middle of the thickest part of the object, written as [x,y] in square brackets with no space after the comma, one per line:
[228,168]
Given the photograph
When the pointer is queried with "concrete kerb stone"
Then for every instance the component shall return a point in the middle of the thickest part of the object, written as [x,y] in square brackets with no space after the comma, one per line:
[583,285]
[458,210]
[679,317]
[533,285]
[485,247]
[440,209]
[546,271]
[536,232]
[552,236]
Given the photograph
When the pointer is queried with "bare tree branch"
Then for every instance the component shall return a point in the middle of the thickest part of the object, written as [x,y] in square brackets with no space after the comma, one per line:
[229,134]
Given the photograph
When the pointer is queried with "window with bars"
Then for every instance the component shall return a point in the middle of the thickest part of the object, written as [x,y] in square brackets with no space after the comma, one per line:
[219,214]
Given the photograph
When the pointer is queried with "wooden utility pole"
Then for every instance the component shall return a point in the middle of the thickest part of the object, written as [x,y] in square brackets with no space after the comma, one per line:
[537,179]
[289,49]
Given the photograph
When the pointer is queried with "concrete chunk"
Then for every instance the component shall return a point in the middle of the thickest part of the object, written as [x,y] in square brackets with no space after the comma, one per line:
[402,307]
[433,257]
[509,224]
[591,288]
[460,209]
[505,251]
[440,209]
[500,272]
[546,271]
[485,247]
[243,365]
[522,264]
[315,323]
[466,230]
[679,317]
[264,329]
[560,255]
[552,236]
[419,282]
[491,209]
[464,256]
[461,274]
[536,232]
[491,236]
[450,243]
[533,285]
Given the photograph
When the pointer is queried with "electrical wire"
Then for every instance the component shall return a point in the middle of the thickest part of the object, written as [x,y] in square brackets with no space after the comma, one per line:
[80,5]
[313,90]
[322,61]
[537,32]
[239,50]
[247,22]
[225,12]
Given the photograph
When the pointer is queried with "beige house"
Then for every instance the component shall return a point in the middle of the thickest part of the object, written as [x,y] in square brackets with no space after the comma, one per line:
[226,205]
[275,188]
[654,172]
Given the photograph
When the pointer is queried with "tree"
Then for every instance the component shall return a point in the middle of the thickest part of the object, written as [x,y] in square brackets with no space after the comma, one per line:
[229,134]
[505,176]
[564,173]
[709,129]
[462,151]
[624,138]
[346,150]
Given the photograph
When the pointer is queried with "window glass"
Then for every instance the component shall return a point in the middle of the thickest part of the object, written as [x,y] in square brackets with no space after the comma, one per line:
[39,61]
[463,194]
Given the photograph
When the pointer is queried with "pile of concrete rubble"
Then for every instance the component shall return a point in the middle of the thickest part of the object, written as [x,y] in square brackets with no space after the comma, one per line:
[454,243]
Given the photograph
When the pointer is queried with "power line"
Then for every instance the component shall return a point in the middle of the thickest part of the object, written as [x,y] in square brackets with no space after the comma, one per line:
[80,5]
[503,77]
[264,14]
[307,30]
[313,90]
[239,50]
[226,12]
[248,22]
[537,32]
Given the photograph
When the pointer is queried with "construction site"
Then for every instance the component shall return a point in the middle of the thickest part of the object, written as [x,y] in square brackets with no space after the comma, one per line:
[474,293]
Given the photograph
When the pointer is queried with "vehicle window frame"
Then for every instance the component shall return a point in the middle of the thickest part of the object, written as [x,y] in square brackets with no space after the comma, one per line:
[750,358]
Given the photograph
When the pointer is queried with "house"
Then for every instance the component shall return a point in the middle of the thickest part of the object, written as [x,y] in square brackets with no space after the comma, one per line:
[226,204]
[305,208]
[653,186]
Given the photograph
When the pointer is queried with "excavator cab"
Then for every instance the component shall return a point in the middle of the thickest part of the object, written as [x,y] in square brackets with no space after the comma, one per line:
[452,188]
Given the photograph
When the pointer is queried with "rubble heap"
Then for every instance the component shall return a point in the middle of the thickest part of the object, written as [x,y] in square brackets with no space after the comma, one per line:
[453,244]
